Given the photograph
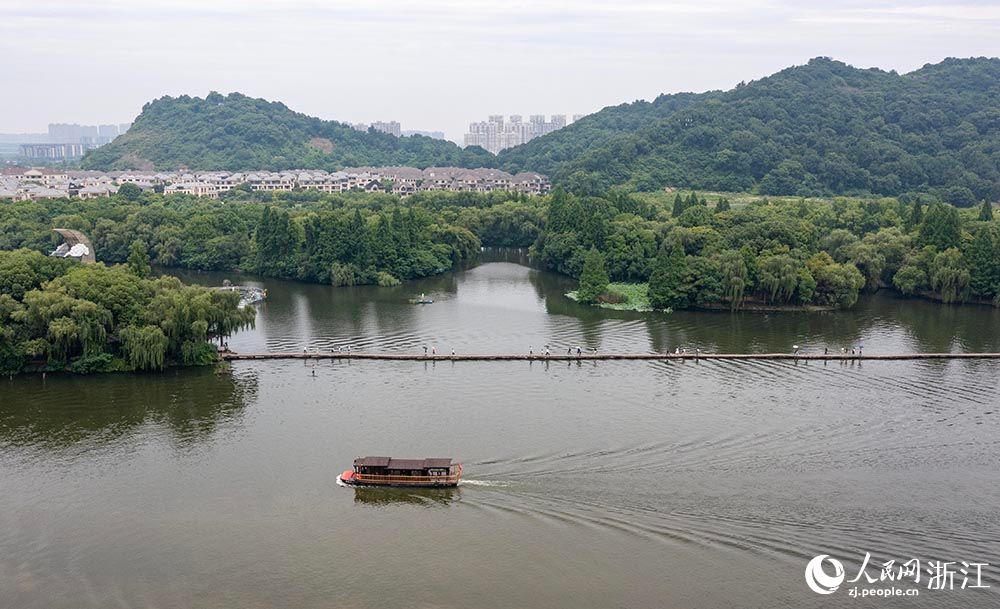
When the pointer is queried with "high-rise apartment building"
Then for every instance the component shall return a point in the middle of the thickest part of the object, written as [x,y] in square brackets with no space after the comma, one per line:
[91,135]
[62,140]
[63,133]
[390,127]
[496,134]
[106,133]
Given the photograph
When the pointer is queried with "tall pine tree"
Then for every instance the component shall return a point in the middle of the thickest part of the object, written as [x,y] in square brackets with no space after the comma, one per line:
[916,214]
[593,279]
[667,289]
[986,211]
[983,258]
[358,242]
[678,206]
[942,227]
[276,243]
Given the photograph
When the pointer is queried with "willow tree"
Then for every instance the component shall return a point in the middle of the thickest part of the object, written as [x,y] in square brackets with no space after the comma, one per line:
[92,323]
[39,308]
[145,348]
[779,278]
[63,335]
[910,279]
[869,260]
[734,275]
[189,316]
[138,259]
[114,288]
[835,284]
[950,276]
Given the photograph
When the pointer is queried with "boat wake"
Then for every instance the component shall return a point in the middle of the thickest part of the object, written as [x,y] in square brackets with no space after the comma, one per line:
[340,482]
[496,483]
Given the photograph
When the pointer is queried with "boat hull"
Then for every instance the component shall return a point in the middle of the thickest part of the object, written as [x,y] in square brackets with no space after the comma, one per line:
[401,484]
[351,478]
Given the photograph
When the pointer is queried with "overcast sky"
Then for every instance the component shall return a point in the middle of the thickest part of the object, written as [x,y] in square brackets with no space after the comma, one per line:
[440,64]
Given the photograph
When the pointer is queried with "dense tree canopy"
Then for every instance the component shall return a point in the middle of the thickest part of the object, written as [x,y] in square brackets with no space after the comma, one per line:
[824,128]
[764,253]
[340,239]
[94,318]
[777,253]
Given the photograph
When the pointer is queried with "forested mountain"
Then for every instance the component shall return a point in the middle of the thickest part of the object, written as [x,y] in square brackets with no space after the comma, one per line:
[821,128]
[237,133]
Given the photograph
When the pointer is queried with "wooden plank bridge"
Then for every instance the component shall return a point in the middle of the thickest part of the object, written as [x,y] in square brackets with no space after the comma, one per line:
[602,356]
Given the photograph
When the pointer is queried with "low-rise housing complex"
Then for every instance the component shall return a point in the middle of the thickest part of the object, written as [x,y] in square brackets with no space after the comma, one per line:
[22,183]
[33,183]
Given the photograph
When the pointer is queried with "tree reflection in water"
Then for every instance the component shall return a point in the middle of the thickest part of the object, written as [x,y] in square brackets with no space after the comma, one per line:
[59,411]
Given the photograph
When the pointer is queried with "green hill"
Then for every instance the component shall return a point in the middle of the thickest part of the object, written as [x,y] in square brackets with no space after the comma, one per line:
[235,132]
[556,150]
[818,129]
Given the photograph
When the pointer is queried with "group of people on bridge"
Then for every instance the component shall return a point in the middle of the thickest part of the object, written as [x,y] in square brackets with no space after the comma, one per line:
[569,350]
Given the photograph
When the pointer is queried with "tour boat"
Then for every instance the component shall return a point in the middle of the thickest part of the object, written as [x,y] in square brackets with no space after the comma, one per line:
[389,471]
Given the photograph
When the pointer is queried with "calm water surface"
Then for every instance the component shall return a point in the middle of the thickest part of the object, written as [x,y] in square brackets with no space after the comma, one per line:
[599,484]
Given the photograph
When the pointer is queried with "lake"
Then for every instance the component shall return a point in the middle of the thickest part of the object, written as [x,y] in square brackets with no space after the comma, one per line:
[608,484]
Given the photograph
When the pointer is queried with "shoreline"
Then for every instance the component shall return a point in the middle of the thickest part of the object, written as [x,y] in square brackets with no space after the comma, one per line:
[603,356]
[642,306]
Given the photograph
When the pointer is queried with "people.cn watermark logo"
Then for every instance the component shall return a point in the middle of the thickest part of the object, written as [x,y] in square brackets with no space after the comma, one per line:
[891,574]
[818,580]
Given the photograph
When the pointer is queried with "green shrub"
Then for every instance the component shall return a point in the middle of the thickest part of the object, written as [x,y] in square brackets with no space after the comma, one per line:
[610,297]
[386,280]
[343,274]
[93,364]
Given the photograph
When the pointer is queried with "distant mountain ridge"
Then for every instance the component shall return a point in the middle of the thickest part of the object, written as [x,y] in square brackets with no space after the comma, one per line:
[821,128]
[239,133]
[824,128]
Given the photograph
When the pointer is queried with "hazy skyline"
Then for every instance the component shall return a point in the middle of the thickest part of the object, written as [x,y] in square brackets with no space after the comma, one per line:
[441,64]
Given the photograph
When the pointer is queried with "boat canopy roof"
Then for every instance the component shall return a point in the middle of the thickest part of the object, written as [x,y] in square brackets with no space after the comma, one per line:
[392,463]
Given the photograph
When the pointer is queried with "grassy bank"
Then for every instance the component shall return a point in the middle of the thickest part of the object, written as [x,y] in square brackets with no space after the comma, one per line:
[635,297]
[622,297]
